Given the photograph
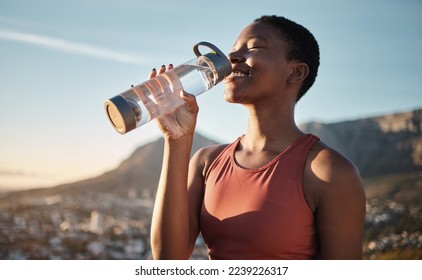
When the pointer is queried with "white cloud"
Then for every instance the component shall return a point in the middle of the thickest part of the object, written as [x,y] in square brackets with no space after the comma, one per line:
[68,46]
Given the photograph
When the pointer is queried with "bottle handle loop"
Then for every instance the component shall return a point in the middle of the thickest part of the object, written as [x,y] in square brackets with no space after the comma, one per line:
[209,45]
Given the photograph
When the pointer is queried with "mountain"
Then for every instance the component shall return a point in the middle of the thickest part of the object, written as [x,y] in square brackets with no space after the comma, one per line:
[379,146]
[139,172]
[389,144]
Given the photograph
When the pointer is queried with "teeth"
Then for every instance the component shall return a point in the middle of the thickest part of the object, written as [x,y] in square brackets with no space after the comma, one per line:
[239,74]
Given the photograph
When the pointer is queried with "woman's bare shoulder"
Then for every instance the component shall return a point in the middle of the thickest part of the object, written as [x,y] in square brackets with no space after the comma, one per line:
[328,173]
[330,165]
[205,156]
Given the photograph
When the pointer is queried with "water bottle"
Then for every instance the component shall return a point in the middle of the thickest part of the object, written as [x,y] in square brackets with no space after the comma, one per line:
[160,95]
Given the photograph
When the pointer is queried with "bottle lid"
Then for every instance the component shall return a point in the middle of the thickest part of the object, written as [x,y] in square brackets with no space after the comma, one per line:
[120,114]
[219,60]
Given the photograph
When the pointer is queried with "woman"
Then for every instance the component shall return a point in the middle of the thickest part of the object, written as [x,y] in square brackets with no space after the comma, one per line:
[275,192]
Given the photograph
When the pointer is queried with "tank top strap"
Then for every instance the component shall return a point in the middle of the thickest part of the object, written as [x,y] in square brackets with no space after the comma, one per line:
[226,152]
[308,143]
[302,149]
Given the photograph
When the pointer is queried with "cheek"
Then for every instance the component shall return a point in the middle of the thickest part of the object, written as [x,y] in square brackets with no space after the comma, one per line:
[268,78]
[274,75]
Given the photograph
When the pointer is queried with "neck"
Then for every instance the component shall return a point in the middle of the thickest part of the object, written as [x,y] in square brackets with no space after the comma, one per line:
[270,129]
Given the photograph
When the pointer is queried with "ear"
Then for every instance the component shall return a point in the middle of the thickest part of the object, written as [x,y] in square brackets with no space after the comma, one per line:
[298,72]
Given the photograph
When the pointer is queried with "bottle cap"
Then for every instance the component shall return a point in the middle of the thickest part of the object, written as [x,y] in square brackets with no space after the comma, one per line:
[120,114]
[219,60]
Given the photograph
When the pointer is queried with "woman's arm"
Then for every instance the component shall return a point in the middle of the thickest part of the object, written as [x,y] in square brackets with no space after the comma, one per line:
[171,229]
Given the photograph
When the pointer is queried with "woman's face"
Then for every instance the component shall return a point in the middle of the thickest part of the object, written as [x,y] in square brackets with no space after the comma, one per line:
[260,67]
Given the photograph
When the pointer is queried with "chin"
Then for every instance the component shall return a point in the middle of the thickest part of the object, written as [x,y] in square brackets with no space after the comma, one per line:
[229,97]
[237,96]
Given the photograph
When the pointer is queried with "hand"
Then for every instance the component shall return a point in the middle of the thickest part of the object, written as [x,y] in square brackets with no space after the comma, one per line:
[182,121]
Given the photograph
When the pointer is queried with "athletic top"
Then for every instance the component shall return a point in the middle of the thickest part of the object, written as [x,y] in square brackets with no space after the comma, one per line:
[258,213]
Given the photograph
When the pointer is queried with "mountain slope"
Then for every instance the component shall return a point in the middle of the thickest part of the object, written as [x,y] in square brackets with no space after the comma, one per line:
[139,172]
[384,145]
[390,144]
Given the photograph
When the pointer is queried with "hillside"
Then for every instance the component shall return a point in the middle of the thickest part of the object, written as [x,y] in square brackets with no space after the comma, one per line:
[393,224]
[390,144]
[379,146]
[139,172]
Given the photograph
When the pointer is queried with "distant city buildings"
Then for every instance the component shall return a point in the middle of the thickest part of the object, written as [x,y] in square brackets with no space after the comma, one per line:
[70,226]
[106,226]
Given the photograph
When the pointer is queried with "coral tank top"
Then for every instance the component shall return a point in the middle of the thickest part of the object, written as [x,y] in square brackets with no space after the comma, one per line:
[258,213]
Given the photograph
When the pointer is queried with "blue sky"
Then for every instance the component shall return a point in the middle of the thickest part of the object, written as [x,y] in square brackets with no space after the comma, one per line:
[59,61]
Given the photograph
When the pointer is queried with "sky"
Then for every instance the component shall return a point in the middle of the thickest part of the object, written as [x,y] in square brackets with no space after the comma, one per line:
[60,60]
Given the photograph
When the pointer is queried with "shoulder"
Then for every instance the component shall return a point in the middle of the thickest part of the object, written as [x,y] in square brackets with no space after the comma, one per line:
[198,167]
[330,174]
[330,165]
[205,156]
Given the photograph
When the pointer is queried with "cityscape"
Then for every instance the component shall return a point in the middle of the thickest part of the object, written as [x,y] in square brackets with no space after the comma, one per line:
[86,225]
[403,225]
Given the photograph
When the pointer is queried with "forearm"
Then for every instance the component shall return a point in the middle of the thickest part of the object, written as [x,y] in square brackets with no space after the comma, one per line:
[170,221]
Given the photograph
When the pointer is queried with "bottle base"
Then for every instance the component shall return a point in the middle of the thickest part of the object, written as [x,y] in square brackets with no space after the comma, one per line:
[120,114]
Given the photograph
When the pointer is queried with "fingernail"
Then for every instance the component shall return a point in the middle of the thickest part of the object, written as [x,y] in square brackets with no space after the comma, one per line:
[154,70]
[170,65]
[163,66]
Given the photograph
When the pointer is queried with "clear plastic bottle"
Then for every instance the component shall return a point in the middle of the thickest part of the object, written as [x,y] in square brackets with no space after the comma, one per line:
[160,95]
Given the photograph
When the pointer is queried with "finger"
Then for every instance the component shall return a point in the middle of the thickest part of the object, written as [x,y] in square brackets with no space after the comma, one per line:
[153,73]
[149,104]
[162,69]
[190,102]
[170,66]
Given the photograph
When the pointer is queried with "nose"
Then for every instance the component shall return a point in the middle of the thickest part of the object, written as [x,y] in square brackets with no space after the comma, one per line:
[236,56]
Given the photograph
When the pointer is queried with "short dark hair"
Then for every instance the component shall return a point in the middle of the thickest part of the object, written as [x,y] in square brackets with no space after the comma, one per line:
[302,46]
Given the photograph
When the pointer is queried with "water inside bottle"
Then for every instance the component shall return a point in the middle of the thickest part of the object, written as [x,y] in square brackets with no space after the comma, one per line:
[160,95]
[196,78]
